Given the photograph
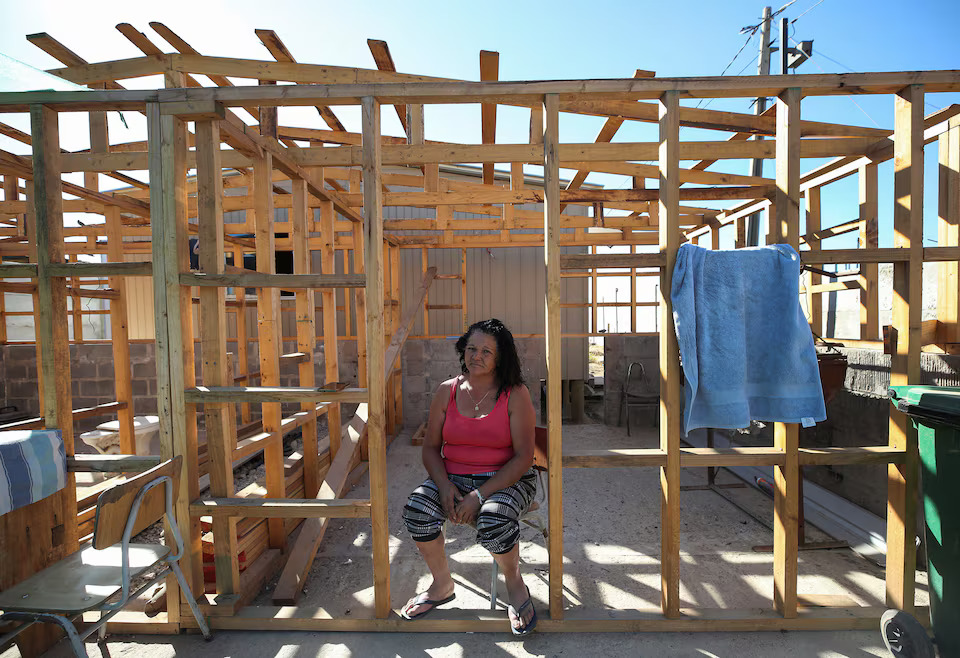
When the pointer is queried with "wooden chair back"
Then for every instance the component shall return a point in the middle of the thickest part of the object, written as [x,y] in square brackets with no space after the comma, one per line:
[114,504]
[540,448]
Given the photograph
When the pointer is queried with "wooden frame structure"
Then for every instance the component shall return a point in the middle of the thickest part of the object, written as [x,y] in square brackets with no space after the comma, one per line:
[344,184]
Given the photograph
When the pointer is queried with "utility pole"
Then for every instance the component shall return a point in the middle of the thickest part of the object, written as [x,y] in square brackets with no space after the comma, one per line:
[763,68]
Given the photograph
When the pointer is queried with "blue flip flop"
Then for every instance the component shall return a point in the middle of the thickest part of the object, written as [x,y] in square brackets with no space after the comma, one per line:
[424,599]
[518,613]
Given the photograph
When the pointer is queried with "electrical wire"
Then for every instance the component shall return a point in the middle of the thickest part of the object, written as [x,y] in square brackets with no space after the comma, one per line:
[852,100]
[806,12]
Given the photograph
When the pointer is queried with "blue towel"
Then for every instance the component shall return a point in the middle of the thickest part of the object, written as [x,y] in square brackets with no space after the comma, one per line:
[746,347]
[33,465]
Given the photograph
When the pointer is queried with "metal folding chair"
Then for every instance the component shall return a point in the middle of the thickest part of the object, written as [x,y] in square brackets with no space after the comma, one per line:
[98,577]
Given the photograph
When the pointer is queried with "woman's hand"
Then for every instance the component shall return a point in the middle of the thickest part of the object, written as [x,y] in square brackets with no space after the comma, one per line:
[467,509]
[449,497]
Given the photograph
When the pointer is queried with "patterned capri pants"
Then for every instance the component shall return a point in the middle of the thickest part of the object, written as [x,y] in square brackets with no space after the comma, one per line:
[498,526]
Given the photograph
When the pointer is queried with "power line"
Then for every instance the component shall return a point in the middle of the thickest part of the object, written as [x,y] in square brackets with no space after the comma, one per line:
[817,64]
[806,12]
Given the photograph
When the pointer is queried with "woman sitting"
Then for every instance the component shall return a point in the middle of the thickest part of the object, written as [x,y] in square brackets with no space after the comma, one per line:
[478,451]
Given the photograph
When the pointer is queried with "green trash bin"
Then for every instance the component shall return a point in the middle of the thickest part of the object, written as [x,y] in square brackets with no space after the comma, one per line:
[935,412]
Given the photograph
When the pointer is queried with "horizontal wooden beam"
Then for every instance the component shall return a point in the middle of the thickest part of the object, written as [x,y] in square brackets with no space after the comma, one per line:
[18,270]
[264,280]
[592,261]
[281,508]
[111,463]
[529,93]
[101,269]
[203,394]
[314,618]
[737,456]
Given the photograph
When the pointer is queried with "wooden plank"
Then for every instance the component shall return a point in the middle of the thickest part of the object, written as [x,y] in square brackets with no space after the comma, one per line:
[376,438]
[55,518]
[591,261]
[331,359]
[905,360]
[143,268]
[868,185]
[274,394]
[381,55]
[213,347]
[284,508]
[786,228]
[111,463]
[457,620]
[306,332]
[814,302]
[670,392]
[167,150]
[948,230]
[299,281]
[120,334]
[489,72]
[554,357]
[269,333]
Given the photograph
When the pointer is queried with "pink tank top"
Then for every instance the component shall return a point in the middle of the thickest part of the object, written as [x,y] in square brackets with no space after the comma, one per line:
[476,445]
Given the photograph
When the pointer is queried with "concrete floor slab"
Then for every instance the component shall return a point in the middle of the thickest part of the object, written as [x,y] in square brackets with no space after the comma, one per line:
[611,539]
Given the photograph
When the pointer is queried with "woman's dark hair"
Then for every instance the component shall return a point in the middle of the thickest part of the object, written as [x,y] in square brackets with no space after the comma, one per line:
[507,370]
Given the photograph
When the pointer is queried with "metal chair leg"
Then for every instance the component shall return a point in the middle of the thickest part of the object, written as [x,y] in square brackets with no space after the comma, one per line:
[493,584]
[201,622]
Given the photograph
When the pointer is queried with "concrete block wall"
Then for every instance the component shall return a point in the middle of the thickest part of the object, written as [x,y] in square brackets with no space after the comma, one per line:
[618,353]
[92,375]
[428,363]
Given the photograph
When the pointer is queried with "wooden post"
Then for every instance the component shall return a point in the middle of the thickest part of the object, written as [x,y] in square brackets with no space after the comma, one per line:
[905,361]
[948,228]
[167,149]
[331,360]
[397,401]
[120,338]
[359,294]
[869,239]
[243,361]
[213,351]
[306,335]
[786,228]
[54,518]
[463,289]
[669,242]
[814,299]
[269,336]
[551,243]
[377,446]
[424,260]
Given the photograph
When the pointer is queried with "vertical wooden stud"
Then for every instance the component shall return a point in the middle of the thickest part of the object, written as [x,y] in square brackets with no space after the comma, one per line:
[869,239]
[119,334]
[551,233]
[786,228]
[669,242]
[269,336]
[331,360]
[306,334]
[948,228]
[373,238]
[905,361]
[814,299]
[213,351]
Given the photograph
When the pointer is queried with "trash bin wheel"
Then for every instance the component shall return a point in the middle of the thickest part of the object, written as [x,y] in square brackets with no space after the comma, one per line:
[904,636]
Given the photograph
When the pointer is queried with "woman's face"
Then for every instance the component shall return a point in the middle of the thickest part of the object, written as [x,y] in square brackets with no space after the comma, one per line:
[480,355]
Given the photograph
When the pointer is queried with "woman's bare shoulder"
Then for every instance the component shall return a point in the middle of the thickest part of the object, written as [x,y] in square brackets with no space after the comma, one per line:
[447,385]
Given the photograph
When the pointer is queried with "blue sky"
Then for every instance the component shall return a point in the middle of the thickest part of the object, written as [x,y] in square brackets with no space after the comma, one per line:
[536,40]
